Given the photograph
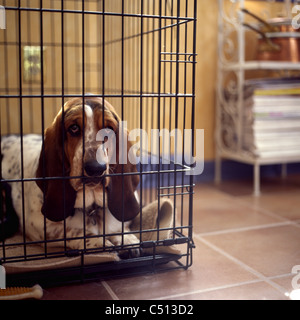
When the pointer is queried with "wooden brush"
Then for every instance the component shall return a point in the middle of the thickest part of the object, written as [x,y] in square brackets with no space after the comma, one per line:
[20,293]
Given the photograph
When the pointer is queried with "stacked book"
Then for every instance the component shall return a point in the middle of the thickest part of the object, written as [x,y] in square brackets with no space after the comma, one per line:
[272,119]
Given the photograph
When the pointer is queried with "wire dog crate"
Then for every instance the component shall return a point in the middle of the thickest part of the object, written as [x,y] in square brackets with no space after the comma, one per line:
[139,55]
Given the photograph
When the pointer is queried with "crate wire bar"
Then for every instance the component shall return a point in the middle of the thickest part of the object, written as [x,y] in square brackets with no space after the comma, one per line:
[140,55]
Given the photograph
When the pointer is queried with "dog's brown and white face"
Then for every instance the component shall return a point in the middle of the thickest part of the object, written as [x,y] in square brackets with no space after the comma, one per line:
[82,123]
[72,158]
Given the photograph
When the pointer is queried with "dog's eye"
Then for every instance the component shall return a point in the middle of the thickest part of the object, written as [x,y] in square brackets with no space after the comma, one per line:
[108,131]
[74,130]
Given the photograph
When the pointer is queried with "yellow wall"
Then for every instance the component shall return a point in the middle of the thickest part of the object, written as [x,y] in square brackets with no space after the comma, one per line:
[206,72]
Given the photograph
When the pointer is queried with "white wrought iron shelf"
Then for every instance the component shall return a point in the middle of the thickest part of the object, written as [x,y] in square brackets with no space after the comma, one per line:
[261,65]
[251,159]
[231,59]
[257,162]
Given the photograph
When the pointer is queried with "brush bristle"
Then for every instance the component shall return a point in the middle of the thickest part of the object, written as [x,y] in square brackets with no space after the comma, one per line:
[20,293]
[14,290]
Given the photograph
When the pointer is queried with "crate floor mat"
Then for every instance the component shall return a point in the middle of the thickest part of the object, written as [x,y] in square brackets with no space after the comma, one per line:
[152,218]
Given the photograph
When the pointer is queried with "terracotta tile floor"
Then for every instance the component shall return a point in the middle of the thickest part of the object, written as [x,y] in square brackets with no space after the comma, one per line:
[246,248]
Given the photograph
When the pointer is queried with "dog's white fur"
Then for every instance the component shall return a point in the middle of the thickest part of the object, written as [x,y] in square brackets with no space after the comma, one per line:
[16,166]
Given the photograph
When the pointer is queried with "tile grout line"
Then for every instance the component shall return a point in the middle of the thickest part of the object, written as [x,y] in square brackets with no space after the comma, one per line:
[257,227]
[109,290]
[243,265]
[265,211]
[208,290]
[228,286]
[261,278]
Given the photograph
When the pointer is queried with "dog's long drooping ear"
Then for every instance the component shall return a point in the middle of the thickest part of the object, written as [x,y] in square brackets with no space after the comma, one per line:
[59,196]
[122,201]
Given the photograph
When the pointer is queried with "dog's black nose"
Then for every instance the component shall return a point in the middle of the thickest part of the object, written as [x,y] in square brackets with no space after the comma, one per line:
[94,168]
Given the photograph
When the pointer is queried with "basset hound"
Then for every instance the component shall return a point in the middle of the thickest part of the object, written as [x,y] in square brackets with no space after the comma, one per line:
[68,190]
